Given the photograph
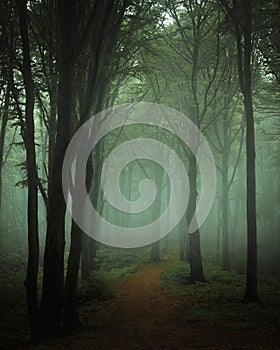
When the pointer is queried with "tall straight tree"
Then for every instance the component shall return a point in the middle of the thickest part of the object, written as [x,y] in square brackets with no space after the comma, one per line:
[32,179]
[240,13]
[105,21]
[53,279]
[194,40]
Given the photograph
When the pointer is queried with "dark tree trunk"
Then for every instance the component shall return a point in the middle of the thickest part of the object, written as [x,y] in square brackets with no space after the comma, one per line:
[2,145]
[33,239]
[89,244]
[242,23]
[194,238]
[155,252]
[251,292]
[88,256]
[155,247]
[225,254]
[182,245]
[52,87]
[166,245]
[53,279]
[234,225]
[52,126]
[71,282]
[91,100]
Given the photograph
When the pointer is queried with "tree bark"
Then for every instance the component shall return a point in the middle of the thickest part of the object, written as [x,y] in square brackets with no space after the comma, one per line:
[225,190]
[194,238]
[182,245]
[242,23]
[32,179]
[53,279]
[251,293]
[2,145]
[71,283]
[155,252]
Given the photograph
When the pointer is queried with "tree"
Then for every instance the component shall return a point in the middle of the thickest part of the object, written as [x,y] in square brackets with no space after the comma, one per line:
[191,47]
[32,178]
[104,22]
[266,31]
[53,279]
[241,17]
[227,129]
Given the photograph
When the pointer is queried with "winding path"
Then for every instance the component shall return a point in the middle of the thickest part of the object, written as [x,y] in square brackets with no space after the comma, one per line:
[146,317]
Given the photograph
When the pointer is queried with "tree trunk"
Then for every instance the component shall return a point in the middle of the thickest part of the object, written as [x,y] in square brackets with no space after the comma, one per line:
[182,245]
[234,225]
[194,238]
[155,252]
[71,282]
[158,176]
[33,239]
[2,145]
[53,279]
[251,293]
[225,254]
[242,22]
[89,244]
[88,256]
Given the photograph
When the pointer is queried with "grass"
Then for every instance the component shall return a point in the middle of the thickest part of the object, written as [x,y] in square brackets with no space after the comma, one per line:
[113,266]
[13,320]
[220,299]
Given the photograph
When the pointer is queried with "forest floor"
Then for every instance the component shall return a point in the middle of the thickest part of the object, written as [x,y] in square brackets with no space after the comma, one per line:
[145,315]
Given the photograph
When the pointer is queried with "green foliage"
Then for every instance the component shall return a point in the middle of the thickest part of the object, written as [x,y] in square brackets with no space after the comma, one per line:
[220,299]
[112,266]
[13,322]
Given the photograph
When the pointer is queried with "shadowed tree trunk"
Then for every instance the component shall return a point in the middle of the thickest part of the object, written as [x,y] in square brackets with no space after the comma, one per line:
[240,13]
[4,120]
[158,176]
[182,245]
[101,35]
[194,238]
[32,180]
[225,190]
[155,252]
[53,279]
[251,292]
[89,254]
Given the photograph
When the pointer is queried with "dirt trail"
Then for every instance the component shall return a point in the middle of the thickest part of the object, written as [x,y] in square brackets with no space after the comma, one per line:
[147,317]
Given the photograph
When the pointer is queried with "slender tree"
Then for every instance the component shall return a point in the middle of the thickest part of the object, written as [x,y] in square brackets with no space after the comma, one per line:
[53,279]
[32,178]
[240,13]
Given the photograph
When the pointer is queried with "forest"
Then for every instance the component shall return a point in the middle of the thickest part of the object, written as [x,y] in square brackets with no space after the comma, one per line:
[139,174]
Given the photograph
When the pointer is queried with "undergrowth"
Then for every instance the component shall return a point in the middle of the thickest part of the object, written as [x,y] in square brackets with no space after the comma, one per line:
[220,299]
[113,265]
